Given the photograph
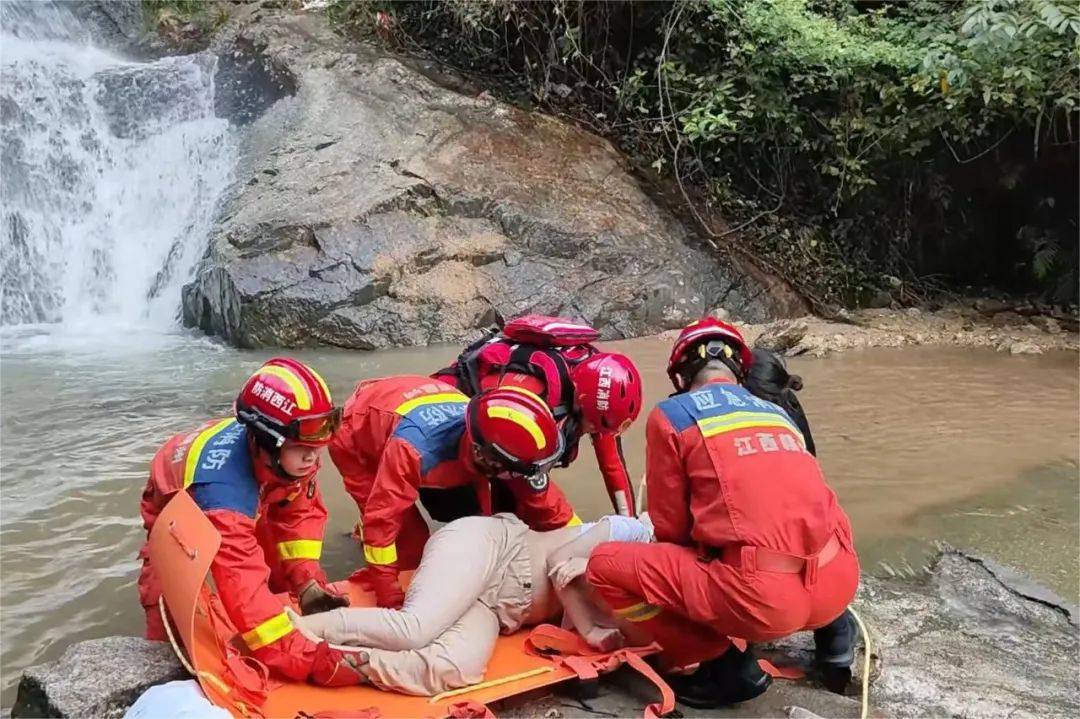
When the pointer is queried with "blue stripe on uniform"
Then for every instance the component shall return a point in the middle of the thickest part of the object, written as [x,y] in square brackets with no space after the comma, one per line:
[435,431]
[714,400]
[224,477]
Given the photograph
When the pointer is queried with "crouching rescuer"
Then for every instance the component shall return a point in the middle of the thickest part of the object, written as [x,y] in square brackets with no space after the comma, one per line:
[409,438]
[751,541]
[254,475]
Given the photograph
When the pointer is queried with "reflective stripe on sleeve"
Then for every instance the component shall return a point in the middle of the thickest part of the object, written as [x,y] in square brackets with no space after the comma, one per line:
[300,549]
[380,555]
[639,612]
[268,632]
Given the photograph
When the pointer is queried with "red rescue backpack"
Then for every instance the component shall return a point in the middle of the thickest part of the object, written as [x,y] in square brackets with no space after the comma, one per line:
[543,347]
[546,331]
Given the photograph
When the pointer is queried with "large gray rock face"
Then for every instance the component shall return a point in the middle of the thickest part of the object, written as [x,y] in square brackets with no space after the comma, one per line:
[374,208]
[969,639]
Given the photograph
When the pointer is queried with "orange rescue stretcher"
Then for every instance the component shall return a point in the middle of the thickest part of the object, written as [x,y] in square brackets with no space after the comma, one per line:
[183,544]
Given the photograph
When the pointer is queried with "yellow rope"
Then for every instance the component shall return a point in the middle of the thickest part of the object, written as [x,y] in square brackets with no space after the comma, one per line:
[493,683]
[172,639]
[866,664]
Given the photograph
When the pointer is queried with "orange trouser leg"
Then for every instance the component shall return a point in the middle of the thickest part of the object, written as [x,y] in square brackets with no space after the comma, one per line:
[149,592]
[834,590]
[660,589]
[149,584]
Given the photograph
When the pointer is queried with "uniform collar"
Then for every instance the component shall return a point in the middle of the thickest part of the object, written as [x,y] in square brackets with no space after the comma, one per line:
[718,380]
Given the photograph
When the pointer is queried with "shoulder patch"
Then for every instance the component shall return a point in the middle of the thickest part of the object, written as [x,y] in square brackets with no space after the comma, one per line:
[676,413]
[218,470]
[434,433]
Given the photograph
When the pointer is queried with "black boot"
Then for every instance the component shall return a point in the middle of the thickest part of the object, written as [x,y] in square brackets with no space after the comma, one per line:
[731,678]
[834,651]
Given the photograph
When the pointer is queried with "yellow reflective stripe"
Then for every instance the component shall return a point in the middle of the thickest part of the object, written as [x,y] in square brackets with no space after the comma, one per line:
[303,397]
[523,420]
[192,462]
[526,392]
[322,383]
[268,632]
[733,417]
[300,549]
[644,616]
[575,521]
[743,420]
[380,555]
[456,397]
[639,612]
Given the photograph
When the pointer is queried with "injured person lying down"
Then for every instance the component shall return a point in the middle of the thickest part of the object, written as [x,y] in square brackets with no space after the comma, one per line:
[479,576]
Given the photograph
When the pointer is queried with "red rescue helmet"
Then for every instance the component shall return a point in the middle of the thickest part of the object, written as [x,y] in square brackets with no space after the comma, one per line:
[708,338]
[514,434]
[607,391]
[287,401]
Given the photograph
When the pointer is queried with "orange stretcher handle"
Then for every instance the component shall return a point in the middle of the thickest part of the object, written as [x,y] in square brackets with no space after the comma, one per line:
[192,552]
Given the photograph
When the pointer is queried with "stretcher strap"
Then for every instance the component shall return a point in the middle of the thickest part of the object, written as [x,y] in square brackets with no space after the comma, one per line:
[667,696]
[245,675]
[204,677]
[567,649]
[469,710]
[546,640]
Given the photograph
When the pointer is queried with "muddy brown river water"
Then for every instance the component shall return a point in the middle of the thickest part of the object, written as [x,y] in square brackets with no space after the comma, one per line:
[921,444]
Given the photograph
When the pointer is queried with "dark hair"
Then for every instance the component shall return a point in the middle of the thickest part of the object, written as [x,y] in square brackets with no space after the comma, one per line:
[769,379]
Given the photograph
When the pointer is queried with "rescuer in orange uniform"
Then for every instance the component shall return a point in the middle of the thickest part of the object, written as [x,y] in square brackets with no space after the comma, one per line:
[255,478]
[411,437]
[590,392]
[751,541]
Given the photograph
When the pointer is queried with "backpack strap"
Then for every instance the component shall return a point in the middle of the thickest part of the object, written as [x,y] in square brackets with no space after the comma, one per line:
[547,364]
[468,368]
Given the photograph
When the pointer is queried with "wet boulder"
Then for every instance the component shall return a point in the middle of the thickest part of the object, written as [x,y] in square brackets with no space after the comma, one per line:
[374,207]
[96,678]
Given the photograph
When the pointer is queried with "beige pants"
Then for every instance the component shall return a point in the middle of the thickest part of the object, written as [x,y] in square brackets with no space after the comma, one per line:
[477,577]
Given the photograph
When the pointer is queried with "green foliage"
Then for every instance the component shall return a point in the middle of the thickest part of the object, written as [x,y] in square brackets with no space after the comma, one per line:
[208,15]
[849,140]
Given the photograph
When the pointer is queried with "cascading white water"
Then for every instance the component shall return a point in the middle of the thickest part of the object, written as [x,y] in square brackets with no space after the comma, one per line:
[111,171]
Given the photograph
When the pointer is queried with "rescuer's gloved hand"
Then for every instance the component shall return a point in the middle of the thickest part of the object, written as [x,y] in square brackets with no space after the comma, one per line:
[315,598]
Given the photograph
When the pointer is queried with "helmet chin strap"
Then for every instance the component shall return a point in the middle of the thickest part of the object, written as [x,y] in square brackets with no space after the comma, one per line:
[272,461]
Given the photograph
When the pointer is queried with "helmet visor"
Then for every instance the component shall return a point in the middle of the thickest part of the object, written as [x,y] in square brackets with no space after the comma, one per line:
[501,465]
[318,429]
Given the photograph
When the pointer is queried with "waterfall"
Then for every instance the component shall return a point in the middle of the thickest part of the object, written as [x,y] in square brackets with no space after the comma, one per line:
[110,172]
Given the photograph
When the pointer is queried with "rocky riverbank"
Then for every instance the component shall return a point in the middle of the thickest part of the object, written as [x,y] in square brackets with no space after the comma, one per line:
[1012,328]
[969,638]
